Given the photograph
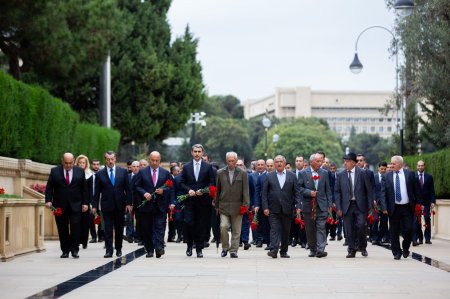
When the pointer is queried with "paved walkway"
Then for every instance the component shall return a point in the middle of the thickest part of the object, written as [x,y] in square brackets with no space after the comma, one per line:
[252,275]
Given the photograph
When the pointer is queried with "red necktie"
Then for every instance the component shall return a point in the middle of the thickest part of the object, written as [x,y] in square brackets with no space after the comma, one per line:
[67,178]
[154,177]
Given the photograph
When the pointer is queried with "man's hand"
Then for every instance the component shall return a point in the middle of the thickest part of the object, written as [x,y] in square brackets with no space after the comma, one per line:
[48,205]
[191,192]
[256,209]
[172,206]
[298,211]
[385,212]
[199,193]
[94,211]
[147,196]
[432,206]
[159,191]
[339,213]
[330,209]
[129,208]
[84,208]
[266,212]
[313,193]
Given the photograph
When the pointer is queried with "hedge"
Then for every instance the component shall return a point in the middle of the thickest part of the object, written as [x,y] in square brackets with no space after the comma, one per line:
[438,165]
[40,127]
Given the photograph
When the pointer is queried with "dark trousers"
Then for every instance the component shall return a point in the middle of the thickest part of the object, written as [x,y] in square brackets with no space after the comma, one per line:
[172,231]
[280,226]
[418,235]
[215,224]
[153,229]
[197,219]
[401,221]
[263,228]
[84,227]
[69,224]
[355,228]
[113,220]
[179,223]
[383,230]
[245,229]
[92,228]
[138,230]
[331,228]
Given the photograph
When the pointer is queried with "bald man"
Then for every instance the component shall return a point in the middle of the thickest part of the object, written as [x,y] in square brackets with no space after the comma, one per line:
[67,189]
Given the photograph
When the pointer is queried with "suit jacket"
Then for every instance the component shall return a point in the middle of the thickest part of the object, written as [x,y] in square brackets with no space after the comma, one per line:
[113,197]
[206,178]
[306,185]
[231,195]
[144,184]
[260,180]
[427,191]
[363,190]
[251,189]
[280,200]
[377,182]
[63,196]
[388,192]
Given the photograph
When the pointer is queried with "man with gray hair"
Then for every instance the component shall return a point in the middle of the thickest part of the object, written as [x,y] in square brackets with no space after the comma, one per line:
[232,194]
[279,197]
[314,183]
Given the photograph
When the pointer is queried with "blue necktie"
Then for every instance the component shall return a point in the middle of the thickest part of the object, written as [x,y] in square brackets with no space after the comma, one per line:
[398,194]
[111,177]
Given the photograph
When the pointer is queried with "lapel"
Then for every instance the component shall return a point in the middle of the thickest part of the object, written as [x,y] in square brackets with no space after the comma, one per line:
[160,181]
[358,172]
[227,175]
[236,173]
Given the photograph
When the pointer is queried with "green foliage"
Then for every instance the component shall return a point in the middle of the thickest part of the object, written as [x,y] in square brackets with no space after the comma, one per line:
[438,165]
[40,127]
[426,44]
[301,136]
[224,106]
[372,146]
[222,135]
[411,128]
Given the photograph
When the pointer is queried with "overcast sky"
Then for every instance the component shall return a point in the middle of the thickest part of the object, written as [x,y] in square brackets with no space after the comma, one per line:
[247,48]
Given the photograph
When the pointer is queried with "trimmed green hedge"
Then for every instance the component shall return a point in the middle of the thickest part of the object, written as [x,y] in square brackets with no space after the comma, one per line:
[438,165]
[35,125]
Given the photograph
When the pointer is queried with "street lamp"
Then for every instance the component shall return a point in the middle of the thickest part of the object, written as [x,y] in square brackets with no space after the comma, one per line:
[356,67]
[275,139]
[266,124]
[196,118]
[404,7]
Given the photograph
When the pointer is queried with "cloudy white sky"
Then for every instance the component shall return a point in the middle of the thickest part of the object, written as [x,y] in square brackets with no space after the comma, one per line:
[247,48]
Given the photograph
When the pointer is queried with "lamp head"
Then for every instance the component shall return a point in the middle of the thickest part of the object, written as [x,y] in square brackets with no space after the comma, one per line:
[356,65]
[404,7]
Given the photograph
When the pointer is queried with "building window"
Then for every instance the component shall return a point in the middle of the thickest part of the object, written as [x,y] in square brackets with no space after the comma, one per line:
[389,129]
[372,129]
[381,129]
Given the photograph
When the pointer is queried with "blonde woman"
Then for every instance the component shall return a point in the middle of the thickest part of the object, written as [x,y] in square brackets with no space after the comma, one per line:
[86,218]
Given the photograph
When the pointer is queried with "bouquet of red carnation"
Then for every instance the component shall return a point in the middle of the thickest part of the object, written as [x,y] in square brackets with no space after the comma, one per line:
[171,212]
[167,185]
[313,200]
[250,216]
[211,190]
[56,211]
[97,219]
[299,221]
[243,210]
[330,219]
[2,190]
[255,222]
[418,213]
[370,218]
[336,222]
[39,188]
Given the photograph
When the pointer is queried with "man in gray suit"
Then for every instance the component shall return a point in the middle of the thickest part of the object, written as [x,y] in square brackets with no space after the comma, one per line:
[232,193]
[279,197]
[314,184]
[354,194]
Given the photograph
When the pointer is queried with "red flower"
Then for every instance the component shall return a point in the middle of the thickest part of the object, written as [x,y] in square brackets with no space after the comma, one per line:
[300,222]
[336,222]
[212,191]
[255,222]
[2,190]
[433,212]
[171,212]
[370,219]
[418,213]
[39,188]
[56,211]
[97,219]
[168,184]
[316,177]
[250,216]
[243,210]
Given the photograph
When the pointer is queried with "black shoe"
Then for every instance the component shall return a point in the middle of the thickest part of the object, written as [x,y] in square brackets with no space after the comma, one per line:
[100,240]
[397,256]
[224,253]
[140,243]
[415,244]
[332,239]
[284,255]
[247,246]
[84,246]
[206,245]
[199,254]
[75,254]
[351,255]
[345,244]
[364,252]
[64,255]
[149,254]
[303,245]
[376,243]
[405,253]
[421,242]
[93,241]
[428,242]
[272,254]
[179,240]
[259,245]
[108,254]
[241,244]
[189,251]
[233,255]
[267,247]
[213,240]
[159,253]
[170,240]
[118,253]
[339,238]
[293,243]
[321,254]
[312,254]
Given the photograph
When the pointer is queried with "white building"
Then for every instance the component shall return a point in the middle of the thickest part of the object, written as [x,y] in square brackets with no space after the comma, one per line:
[341,109]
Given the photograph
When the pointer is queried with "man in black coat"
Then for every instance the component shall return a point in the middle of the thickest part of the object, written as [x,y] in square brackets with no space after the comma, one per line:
[112,185]
[67,190]
[196,175]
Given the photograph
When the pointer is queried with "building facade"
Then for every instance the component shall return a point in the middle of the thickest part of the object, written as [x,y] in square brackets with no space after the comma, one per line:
[341,109]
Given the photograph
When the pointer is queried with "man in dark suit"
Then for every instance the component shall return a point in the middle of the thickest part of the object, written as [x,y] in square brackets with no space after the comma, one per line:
[67,189]
[401,193]
[428,196]
[354,197]
[279,197]
[196,175]
[149,185]
[263,228]
[112,185]
[315,189]
[95,167]
[381,226]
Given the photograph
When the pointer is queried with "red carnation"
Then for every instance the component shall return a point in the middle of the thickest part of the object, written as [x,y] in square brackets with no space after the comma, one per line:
[2,190]
[370,219]
[56,211]
[212,191]
[169,183]
[250,216]
[243,210]
[97,219]
[316,177]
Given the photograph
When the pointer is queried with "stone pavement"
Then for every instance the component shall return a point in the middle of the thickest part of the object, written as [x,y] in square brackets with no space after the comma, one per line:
[252,275]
